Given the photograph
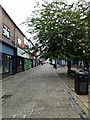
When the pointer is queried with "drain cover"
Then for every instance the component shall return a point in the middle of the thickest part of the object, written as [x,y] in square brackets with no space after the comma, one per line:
[6,96]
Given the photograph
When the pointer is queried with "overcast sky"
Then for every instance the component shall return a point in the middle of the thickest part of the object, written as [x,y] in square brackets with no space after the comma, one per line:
[18,10]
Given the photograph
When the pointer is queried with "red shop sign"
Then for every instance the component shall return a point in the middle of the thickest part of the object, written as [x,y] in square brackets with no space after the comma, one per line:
[23,46]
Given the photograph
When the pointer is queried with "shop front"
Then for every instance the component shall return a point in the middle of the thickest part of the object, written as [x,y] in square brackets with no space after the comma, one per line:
[7,60]
[33,61]
[27,64]
[23,60]
[37,61]
[20,64]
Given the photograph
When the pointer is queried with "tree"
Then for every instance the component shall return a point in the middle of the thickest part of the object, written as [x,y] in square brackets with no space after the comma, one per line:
[61,30]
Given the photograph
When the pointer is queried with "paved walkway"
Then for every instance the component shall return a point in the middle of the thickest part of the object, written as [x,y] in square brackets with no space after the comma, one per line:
[83,100]
[41,93]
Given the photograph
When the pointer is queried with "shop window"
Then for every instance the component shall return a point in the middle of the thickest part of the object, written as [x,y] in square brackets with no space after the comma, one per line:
[6,31]
[1,67]
[5,63]
[19,62]
[19,41]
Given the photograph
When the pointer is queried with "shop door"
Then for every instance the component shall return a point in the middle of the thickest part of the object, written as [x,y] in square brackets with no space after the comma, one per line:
[11,65]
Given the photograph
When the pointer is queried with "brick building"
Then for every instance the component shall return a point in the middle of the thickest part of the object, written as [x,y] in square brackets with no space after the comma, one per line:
[13,58]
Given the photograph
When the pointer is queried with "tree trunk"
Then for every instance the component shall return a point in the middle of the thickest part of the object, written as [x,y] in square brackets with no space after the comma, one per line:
[69,67]
[55,64]
[86,65]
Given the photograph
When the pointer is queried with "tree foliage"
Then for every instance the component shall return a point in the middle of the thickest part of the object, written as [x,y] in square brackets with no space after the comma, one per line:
[61,30]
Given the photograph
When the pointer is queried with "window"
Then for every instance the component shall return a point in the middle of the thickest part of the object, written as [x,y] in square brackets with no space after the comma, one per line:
[1,63]
[19,62]
[6,31]
[5,63]
[19,41]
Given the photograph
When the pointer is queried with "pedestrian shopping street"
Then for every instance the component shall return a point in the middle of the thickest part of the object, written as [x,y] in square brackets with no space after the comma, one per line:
[38,93]
[45,59]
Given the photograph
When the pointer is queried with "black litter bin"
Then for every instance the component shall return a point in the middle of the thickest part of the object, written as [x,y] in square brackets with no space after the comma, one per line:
[81,83]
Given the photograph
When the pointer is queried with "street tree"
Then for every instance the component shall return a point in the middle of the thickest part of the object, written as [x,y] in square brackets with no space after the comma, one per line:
[61,30]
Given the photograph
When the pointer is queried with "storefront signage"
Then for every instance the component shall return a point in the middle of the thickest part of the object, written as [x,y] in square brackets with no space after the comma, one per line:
[6,49]
[22,53]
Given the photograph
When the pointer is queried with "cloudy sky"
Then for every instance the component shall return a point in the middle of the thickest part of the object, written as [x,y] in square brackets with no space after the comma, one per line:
[18,10]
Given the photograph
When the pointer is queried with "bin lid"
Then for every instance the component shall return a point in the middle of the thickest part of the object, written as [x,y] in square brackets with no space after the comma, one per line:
[83,72]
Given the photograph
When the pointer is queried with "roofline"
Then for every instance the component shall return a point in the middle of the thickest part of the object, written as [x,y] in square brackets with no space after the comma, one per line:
[31,42]
[12,21]
[16,25]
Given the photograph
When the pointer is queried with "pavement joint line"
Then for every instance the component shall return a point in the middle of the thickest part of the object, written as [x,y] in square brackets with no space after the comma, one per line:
[71,104]
[82,102]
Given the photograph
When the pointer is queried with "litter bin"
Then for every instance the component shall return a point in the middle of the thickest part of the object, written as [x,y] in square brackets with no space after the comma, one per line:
[81,83]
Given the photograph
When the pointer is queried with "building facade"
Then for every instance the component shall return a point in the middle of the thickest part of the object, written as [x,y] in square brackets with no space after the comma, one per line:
[14,58]
[8,49]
